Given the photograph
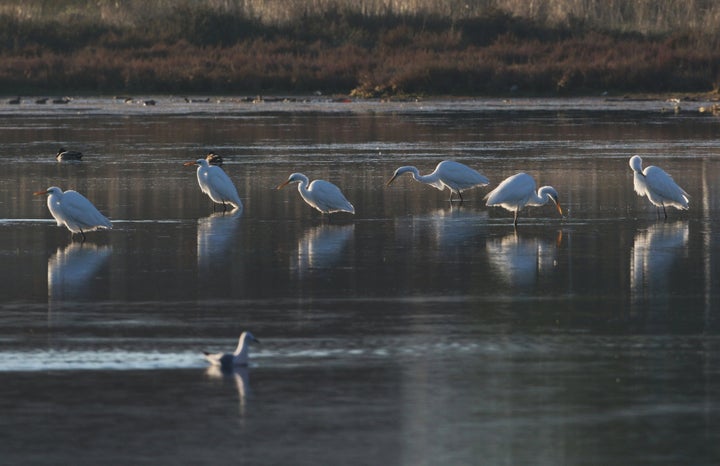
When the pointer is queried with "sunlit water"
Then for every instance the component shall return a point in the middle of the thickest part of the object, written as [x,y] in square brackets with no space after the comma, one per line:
[415,332]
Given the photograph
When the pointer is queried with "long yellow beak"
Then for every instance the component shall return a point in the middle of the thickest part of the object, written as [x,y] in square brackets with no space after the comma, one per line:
[391,180]
[559,209]
[39,193]
[189,164]
[282,185]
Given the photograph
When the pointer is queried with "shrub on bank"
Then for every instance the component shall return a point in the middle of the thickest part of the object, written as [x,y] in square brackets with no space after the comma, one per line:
[204,50]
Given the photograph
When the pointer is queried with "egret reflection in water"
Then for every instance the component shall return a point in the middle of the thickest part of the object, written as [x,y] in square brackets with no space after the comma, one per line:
[239,377]
[521,260]
[215,235]
[71,270]
[446,228]
[321,246]
[654,254]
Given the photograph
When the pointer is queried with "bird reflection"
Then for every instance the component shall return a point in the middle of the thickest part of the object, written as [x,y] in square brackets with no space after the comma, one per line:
[239,376]
[654,253]
[215,234]
[447,227]
[320,246]
[522,260]
[71,269]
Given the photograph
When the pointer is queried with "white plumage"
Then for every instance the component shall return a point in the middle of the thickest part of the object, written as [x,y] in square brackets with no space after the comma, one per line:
[320,194]
[449,174]
[74,211]
[227,361]
[216,184]
[658,186]
[518,191]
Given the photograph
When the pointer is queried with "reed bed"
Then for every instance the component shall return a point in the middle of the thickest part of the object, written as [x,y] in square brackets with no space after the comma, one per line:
[366,48]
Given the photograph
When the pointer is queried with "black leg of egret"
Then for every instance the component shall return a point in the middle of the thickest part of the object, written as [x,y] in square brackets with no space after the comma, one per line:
[664,212]
[516,216]
[83,235]
[459,195]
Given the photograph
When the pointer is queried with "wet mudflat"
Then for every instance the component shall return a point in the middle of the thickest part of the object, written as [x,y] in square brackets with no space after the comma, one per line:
[414,332]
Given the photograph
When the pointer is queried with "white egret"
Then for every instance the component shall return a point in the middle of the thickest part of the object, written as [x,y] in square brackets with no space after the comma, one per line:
[518,191]
[65,155]
[72,209]
[448,174]
[320,194]
[228,361]
[658,186]
[215,183]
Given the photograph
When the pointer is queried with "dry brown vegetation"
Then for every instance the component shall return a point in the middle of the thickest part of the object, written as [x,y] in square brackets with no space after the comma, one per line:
[369,48]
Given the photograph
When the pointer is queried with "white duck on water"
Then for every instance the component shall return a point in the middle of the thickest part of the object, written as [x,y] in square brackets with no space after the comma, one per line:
[238,358]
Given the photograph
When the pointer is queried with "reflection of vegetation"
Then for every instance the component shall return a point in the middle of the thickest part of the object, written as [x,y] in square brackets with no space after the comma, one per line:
[371,47]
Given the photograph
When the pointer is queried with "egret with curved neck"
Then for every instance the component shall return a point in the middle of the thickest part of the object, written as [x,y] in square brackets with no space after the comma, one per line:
[227,361]
[658,186]
[75,211]
[518,191]
[320,194]
[449,174]
[216,184]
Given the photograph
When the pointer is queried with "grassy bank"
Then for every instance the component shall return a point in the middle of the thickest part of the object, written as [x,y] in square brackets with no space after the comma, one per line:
[209,47]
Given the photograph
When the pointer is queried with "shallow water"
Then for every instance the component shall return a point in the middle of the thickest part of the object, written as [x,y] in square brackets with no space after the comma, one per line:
[415,332]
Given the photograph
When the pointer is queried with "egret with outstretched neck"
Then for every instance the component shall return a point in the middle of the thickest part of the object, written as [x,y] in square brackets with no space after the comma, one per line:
[518,191]
[320,194]
[658,186]
[449,174]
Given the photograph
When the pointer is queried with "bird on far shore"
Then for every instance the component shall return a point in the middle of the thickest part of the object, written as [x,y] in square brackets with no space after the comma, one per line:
[320,194]
[74,211]
[64,155]
[238,358]
[658,186]
[214,159]
[449,174]
[518,191]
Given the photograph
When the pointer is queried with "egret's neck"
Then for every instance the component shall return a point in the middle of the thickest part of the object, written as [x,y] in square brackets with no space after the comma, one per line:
[241,347]
[302,187]
[416,174]
[542,197]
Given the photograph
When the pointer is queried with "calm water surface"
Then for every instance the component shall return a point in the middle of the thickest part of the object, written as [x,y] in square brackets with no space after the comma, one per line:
[415,332]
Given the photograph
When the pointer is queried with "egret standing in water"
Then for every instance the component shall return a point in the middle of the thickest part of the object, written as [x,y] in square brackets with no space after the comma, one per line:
[228,361]
[215,183]
[448,174]
[75,211]
[320,194]
[518,191]
[658,186]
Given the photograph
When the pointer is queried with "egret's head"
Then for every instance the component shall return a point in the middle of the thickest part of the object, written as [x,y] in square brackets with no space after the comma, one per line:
[550,193]
[294,178]
[50,190]
[200,162]
[399,172]
[249,337]
[636,163]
